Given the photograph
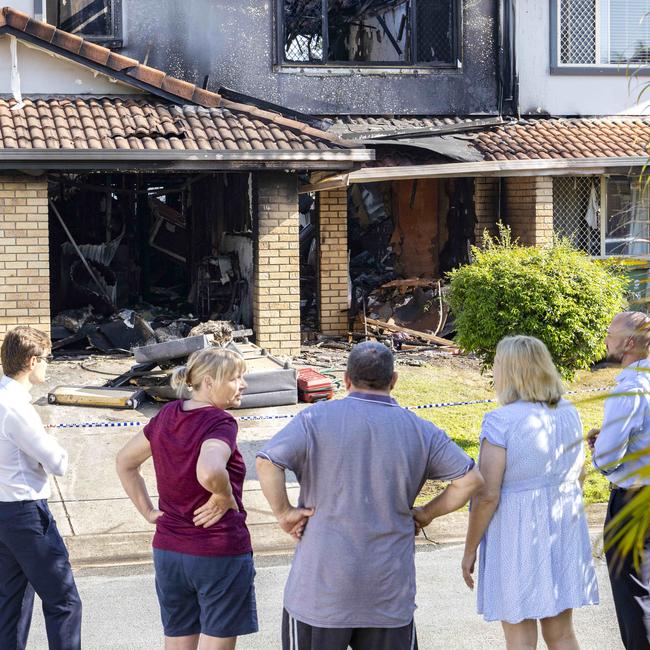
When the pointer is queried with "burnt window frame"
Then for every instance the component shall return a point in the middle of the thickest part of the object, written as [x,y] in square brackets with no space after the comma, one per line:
[113,41]
[456,45]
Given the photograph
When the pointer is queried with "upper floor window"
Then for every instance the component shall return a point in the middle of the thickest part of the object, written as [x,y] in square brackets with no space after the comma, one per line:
[370,32]
[96,20]
[603,32]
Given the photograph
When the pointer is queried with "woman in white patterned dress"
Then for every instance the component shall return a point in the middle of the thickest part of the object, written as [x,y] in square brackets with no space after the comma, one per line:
[535,559]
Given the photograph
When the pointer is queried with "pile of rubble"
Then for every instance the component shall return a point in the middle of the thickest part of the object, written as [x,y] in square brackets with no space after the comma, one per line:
[270,381]
[413,303]
[80,332]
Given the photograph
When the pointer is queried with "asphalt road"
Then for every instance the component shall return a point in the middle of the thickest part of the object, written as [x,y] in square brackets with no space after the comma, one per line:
[121,612]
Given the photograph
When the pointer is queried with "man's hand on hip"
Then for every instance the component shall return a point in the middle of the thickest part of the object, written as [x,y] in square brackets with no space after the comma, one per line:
[421,519]
[293,520]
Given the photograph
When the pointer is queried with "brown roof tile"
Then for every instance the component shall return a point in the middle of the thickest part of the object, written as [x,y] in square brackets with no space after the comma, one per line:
[128,123]
[67,41]
[147,75]
[44,31]
[178,87]
[119,62]
[205,97]
[16,19]
[95,52]
[565,138]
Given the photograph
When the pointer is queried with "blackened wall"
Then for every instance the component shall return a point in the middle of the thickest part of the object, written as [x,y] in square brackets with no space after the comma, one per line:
[233,42]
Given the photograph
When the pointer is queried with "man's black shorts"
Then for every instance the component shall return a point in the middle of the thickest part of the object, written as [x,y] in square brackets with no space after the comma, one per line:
[300,636]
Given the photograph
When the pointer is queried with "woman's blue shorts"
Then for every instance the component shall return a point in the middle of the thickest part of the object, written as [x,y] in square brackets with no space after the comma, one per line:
[208,595]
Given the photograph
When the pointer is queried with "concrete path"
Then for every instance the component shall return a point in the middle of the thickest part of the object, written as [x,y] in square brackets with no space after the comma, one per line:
[121,612]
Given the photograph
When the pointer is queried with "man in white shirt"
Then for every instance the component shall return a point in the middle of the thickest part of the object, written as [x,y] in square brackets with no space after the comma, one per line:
[33,557]
[619,448]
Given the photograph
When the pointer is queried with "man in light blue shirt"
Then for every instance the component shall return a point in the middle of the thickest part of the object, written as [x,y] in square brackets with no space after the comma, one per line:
[625,432]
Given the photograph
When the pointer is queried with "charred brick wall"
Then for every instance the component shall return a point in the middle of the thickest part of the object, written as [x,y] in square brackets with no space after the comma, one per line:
[486,207]
[334,262]
[24,253]
[276,293]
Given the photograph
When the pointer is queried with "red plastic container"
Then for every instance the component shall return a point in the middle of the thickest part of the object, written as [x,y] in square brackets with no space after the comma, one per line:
[313,386]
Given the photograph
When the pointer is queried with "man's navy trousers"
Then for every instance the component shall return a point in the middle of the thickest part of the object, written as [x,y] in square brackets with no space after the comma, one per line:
[630,588]
[33,558]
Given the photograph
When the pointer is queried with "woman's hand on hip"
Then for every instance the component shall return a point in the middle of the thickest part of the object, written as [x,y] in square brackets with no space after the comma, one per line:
[467,565]
[154,515]
[214,509]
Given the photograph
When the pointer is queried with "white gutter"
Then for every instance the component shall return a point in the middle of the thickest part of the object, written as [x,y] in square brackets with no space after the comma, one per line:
[184,155]
[537,167]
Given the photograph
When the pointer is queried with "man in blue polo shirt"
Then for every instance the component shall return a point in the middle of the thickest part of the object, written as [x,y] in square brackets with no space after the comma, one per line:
[361,462]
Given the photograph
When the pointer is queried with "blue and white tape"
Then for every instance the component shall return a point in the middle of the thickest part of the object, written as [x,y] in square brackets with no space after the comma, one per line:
[287,416]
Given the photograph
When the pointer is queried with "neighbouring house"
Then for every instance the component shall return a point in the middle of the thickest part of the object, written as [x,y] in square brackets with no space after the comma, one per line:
[567,157]
[121,185]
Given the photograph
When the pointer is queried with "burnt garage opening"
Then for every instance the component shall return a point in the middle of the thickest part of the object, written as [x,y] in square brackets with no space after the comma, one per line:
[404,236]
[148,255]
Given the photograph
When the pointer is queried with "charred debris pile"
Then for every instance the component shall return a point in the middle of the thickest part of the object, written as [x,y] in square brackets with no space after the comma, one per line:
[403,237]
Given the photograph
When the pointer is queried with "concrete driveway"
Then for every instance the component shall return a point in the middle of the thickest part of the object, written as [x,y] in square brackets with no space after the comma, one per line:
[121,612]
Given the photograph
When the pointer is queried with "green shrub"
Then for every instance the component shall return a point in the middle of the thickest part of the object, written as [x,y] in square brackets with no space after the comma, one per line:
[557,294]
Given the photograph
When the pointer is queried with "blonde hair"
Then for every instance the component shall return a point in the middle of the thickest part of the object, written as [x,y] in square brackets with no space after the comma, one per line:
[221,365]
[525,371]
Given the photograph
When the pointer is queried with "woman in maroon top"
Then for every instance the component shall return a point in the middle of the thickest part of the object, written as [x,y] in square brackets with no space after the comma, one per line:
[202,549]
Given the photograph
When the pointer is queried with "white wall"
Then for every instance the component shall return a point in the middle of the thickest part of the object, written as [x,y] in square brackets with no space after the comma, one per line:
[26,6]
[579,94]
[43,73]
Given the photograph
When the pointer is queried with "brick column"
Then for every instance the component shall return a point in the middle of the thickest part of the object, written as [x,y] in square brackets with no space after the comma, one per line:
[486,207]
[276,290]
[529,209]
[333,276]
[24,253]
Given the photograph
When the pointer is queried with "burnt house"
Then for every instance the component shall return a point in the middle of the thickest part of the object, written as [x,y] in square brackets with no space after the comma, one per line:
[362,70]
[408,127]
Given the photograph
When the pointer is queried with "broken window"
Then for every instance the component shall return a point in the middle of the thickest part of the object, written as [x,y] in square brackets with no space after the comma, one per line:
[370,32]
[98,20]
[627,217]
[604,32]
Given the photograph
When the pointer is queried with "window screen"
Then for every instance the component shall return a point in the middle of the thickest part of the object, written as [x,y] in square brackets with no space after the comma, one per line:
[604,32]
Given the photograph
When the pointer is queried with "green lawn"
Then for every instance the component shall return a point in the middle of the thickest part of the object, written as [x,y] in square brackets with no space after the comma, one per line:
[454,380]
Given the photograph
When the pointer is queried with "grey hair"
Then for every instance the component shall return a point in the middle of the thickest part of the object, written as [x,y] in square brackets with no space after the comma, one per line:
[371,365]
[637,325]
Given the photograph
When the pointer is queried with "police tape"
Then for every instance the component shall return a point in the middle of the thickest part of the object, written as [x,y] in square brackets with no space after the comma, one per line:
[287,416]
